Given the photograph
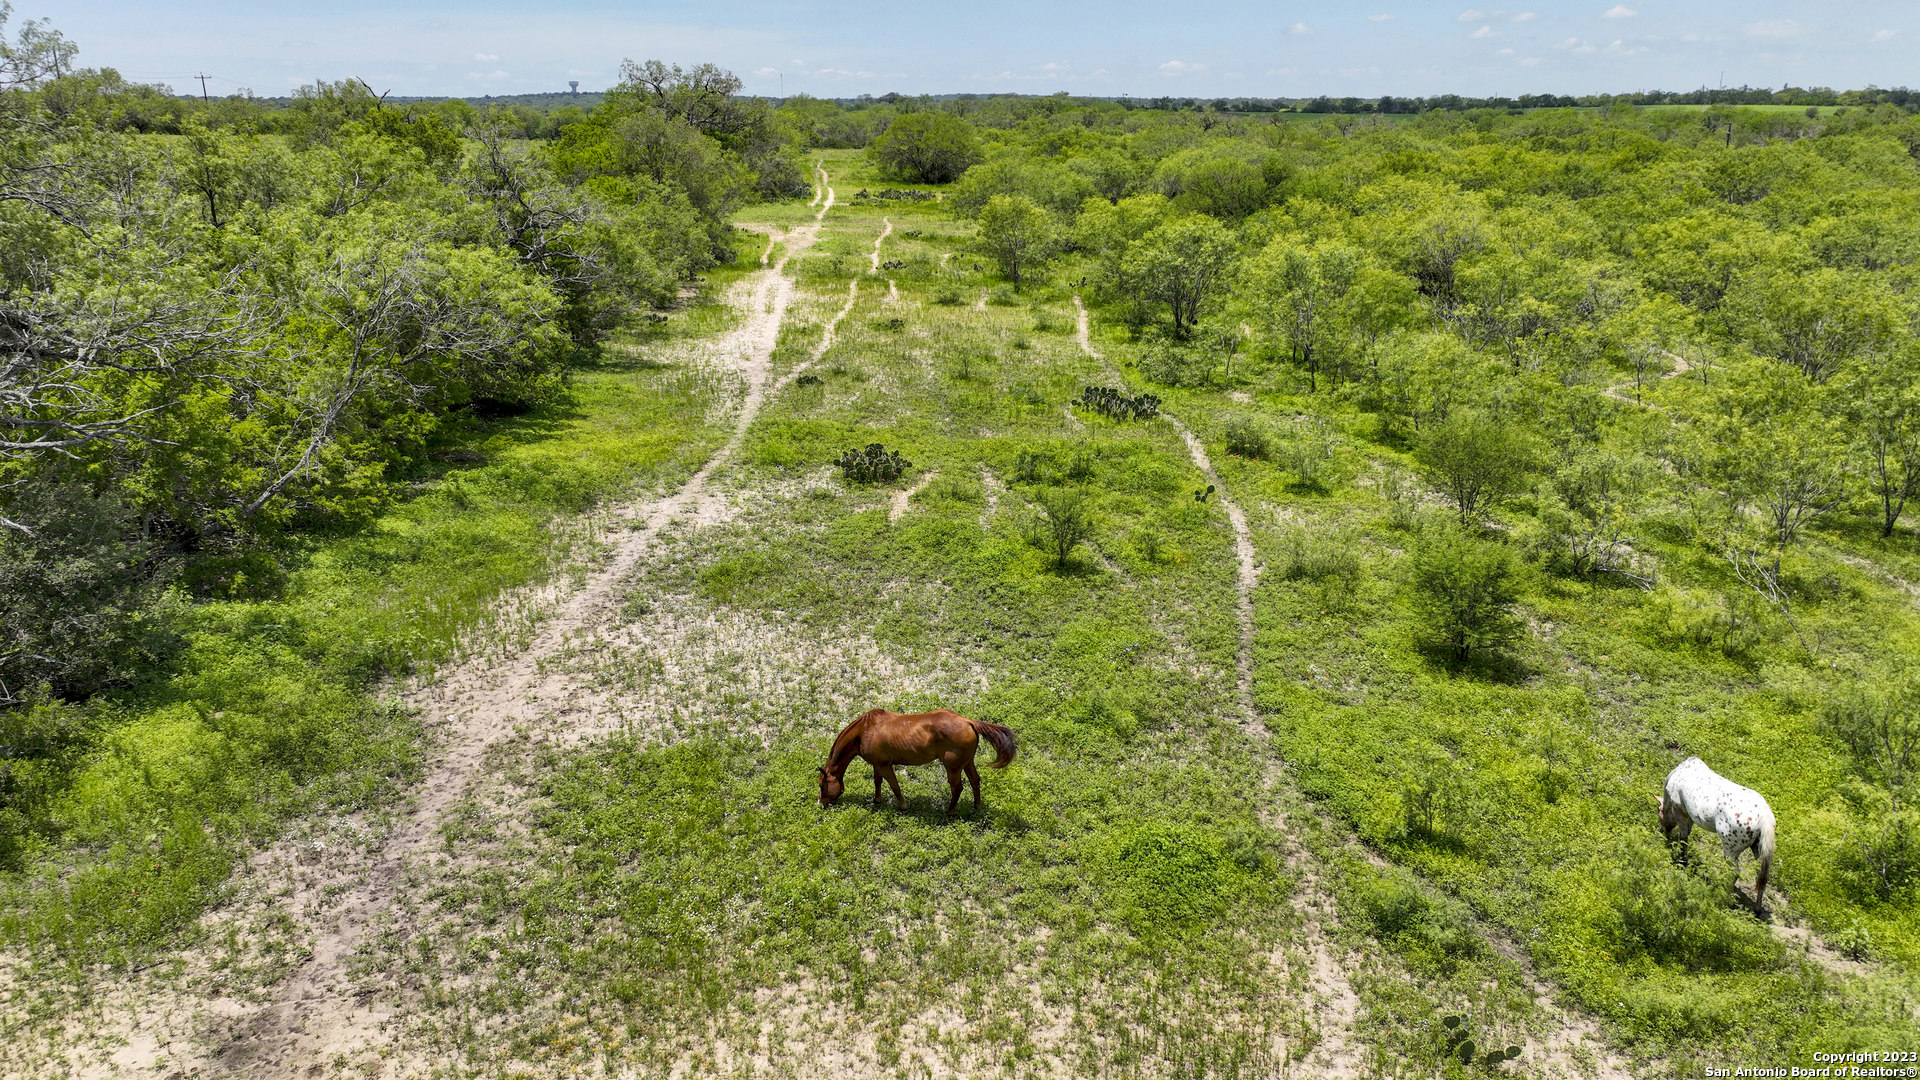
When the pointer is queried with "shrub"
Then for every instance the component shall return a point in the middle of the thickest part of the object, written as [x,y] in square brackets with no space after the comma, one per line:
[1171,365]
[1464,591]
[1161,877]
[1432,931]
[1065,522]
[892,325]
[1327,558]
[84,604]
[929,147]
[1477,461]
[1309,456]
[1118,404]
[1682,916]
[1248,438]
[875,464]
[1402,495]
[1151,543]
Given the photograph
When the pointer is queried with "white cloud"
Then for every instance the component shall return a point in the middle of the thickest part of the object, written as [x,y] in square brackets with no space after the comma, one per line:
[1056,68]
[485,56]
[1485,32]
[1531,61]
[762,73]
[1619,11]
[1379,18]
[1774,28]
[1283,71]
[1301,29]
[1175,67]
[1585,49]
[796,61]
[1526,16]
[482,75]
[1472,15]
[1884,35]
[1504,52]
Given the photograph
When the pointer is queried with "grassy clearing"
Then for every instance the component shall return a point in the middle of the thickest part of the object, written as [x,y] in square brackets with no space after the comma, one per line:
[683,899]
[682,903]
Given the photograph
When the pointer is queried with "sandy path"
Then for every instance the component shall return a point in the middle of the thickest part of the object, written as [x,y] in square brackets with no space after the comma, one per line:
[877,241]
[904,497]
[1336,1005]
[319,1014]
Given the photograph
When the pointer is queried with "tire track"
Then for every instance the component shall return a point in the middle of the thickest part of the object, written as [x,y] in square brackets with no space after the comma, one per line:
[319,1014]
[877,241]
[1336,1005]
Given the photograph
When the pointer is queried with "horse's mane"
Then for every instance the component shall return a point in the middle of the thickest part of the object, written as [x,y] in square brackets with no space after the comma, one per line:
[842,753]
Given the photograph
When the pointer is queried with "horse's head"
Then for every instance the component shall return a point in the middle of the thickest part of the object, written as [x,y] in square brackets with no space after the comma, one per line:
[831,787]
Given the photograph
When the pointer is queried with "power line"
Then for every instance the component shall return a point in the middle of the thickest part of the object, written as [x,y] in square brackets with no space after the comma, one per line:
[203,86]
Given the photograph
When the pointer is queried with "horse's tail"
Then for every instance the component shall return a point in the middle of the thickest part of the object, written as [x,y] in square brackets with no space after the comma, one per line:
[1005,743]
[1763,848]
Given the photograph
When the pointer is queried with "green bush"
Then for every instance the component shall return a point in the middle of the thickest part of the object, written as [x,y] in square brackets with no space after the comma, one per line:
[1685,916]
[1064,521]
[1478,461]
[1434,932]
[1162,877]
[1247,437]
[1464,589]
[1328,558]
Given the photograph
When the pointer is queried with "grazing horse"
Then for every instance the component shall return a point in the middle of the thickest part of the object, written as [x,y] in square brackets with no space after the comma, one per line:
[1696,794]
[886,739]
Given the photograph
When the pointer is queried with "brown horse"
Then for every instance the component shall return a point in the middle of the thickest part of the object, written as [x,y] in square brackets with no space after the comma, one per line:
[886,739]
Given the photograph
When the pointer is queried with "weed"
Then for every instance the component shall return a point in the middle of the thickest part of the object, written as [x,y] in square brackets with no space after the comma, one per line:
[1247,437]
[1064,522]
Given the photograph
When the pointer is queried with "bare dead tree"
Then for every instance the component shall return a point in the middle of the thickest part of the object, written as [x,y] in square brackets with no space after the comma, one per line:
[1756,572]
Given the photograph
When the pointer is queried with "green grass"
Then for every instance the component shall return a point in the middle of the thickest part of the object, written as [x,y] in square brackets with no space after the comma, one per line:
[1524,787]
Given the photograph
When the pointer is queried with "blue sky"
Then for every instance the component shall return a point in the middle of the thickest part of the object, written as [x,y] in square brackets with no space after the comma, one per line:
[1187,47]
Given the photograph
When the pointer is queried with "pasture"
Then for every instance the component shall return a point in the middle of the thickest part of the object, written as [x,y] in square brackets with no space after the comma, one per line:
[639,879]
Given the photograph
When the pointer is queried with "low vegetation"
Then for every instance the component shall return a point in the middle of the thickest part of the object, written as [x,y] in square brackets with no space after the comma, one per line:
[1569,443]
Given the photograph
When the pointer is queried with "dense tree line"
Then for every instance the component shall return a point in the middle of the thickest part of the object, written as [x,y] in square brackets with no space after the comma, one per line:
[218,341]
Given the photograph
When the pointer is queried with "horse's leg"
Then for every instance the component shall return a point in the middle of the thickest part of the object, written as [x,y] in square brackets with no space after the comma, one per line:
[893,779]
[876,784]
[1677,838]
[953,785]
[1760,884]
[973,775]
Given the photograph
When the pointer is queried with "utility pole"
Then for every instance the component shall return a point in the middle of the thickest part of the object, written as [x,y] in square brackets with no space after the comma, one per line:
[203,86]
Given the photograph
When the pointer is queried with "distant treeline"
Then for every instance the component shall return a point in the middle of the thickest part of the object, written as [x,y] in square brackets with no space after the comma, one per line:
[158,110]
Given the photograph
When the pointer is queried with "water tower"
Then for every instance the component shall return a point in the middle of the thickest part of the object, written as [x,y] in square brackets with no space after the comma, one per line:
[574,85]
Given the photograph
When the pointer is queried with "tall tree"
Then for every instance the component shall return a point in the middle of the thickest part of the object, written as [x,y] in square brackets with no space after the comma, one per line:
[1184,264]
[1016,235]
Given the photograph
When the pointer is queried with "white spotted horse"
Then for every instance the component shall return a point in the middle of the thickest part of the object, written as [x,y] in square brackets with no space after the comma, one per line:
[1695,794]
